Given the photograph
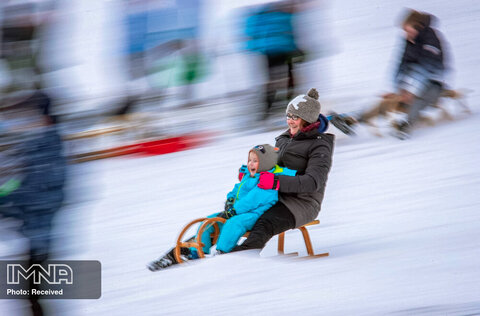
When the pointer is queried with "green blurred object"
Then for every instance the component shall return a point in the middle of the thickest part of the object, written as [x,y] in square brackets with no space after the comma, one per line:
[8,187]
[179,70]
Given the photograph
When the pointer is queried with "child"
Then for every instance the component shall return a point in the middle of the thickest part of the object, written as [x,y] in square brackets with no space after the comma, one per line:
[244,205]
[418,78]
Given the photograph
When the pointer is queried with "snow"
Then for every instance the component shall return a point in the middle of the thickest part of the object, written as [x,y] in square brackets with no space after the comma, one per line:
[400,218]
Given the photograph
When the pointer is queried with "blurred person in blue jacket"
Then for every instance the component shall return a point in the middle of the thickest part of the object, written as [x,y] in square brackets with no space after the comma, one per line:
[36,190]
[33,190]
[244,205]
[270,31]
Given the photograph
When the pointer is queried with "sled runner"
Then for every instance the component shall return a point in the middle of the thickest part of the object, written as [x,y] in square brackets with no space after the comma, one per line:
[209,222]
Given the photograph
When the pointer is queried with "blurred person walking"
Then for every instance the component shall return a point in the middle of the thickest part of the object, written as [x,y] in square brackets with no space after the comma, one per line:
[303,147]
[32,190]
[419,76]
[270,31]
[34,193]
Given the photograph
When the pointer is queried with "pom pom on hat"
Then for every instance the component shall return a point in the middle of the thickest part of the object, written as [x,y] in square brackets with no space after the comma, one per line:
[313,93]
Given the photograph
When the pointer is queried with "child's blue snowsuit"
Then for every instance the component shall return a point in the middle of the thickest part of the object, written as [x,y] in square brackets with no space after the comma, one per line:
[250,202]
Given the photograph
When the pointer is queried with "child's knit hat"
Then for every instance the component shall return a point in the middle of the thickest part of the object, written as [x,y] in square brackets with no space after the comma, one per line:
[306,106]
[267,156]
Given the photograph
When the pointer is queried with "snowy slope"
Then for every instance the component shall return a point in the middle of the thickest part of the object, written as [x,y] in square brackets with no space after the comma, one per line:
[400,219]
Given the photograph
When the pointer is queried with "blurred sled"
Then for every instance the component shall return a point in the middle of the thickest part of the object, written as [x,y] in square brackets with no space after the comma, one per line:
[390,106]
[183,249]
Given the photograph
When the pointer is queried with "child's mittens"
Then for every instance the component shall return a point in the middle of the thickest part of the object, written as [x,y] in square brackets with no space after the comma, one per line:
[229,203]
[241,172]
[227,213]
[268,181]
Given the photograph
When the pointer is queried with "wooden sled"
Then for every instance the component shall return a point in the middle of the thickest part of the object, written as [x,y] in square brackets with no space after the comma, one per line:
[209,222]
[390,105]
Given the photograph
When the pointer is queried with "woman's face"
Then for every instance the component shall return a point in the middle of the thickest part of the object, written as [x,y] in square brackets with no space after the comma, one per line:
[295,123]
[252,163]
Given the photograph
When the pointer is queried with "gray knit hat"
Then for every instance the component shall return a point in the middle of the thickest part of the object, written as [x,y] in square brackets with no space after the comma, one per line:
[267,156]
[306,106]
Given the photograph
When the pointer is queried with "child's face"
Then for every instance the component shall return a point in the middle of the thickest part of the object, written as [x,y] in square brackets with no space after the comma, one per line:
[410,32]
[252,163]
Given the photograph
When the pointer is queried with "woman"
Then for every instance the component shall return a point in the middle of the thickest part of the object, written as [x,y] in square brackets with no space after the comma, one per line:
[305,148]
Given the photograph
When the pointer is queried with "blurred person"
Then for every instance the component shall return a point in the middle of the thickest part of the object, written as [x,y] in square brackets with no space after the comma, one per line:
[33,191]
[269,29]
[418,78]
[303,147]
[244,205]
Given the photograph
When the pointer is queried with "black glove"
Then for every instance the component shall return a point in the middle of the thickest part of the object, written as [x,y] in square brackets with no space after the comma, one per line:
[229,203]
[227,213]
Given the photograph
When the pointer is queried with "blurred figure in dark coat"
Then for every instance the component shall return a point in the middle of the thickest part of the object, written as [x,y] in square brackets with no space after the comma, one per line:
[419,77]
[32,190]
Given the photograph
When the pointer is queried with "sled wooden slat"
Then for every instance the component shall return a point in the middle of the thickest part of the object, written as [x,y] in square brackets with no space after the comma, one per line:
[209,222]
[314,222]
[306,239]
